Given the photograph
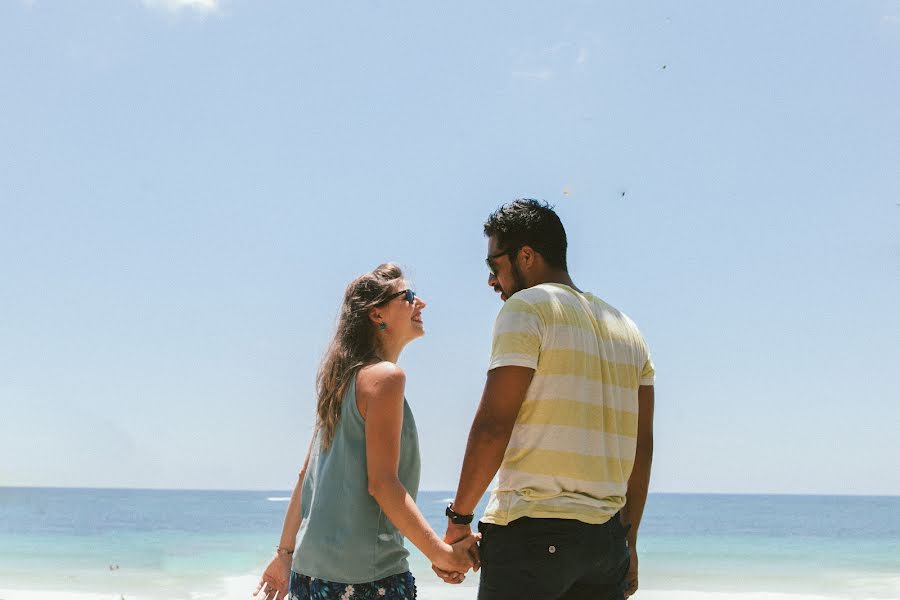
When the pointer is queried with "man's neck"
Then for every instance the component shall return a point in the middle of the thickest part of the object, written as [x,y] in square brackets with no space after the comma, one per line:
[561,277]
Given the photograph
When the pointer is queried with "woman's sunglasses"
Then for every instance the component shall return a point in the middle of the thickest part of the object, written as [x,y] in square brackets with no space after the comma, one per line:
[410,296]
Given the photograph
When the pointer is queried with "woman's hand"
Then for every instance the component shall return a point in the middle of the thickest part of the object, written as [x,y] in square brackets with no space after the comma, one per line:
[460,556]
[449,576]
[458,533]
[275,579]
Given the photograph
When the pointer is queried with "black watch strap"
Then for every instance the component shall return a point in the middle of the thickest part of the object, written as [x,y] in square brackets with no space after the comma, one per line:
[456,518]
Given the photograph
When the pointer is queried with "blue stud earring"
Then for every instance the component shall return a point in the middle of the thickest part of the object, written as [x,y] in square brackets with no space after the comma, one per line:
[382,326]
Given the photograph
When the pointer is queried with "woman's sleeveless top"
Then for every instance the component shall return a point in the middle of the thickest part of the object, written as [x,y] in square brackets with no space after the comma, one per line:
[344,536]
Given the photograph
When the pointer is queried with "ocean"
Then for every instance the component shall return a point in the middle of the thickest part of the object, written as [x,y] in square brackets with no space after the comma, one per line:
[87,544]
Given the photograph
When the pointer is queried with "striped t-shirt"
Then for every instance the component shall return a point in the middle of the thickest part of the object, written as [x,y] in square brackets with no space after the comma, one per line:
[573,444]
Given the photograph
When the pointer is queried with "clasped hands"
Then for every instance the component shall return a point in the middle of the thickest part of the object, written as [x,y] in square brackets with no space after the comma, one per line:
[465,553]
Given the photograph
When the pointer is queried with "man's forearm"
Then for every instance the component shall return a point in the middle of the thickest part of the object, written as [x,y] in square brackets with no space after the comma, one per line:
[484,455]
[504,392]
[636,496]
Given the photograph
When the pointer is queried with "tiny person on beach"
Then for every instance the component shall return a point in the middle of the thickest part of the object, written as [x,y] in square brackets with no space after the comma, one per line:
[354,501]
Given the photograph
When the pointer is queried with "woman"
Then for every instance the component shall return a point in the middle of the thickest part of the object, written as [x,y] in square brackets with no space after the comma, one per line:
[354,501]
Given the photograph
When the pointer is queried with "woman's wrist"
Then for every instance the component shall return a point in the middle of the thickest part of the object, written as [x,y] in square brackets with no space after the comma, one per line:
[284,552]
[439,549]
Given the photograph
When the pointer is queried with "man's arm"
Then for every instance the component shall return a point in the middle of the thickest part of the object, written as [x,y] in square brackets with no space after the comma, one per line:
[503,395]
[636,496]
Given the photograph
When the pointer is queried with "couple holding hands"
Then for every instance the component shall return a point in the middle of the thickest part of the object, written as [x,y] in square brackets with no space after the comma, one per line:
[565,422]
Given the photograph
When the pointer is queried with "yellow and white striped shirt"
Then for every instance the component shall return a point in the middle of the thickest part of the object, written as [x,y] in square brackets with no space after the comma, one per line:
[573,444]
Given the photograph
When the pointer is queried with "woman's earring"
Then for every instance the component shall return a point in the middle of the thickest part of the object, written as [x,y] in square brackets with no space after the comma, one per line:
[382,326]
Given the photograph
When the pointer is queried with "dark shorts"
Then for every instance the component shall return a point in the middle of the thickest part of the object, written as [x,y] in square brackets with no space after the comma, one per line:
[395,587]
[553,559]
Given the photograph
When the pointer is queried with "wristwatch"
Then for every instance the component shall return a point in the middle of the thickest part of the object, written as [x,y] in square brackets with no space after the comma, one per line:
[456,518]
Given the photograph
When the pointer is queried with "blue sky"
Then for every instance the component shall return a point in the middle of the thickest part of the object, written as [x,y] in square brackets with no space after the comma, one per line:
[186,187]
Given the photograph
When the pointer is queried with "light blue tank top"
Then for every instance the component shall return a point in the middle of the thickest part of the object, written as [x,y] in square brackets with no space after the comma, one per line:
[344,536]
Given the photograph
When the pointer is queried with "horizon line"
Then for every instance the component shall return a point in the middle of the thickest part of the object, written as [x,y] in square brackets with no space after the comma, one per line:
[447,491]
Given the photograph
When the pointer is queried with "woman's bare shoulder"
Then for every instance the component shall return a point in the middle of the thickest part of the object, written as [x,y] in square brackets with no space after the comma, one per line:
[382,377]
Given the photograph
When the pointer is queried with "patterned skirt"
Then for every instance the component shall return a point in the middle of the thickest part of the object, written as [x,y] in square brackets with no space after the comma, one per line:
[395,587]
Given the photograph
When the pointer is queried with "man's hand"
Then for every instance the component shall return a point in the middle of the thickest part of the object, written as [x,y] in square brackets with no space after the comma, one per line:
[461,532]
[456,532]
[631,580]
[453,535]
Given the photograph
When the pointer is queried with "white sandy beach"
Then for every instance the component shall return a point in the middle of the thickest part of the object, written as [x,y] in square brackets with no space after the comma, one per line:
[238,588]
[424,594]
[430,588]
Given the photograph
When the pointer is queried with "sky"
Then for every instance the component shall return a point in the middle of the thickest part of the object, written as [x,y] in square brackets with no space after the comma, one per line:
[186,187]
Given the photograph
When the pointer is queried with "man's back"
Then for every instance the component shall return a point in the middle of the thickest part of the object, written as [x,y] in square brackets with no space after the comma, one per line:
[573,444]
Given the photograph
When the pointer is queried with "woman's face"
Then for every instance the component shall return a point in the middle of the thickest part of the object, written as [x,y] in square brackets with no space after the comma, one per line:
[403,318]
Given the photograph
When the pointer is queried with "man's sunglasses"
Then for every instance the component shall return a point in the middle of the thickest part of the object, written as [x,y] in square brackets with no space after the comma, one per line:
[489,261]
[410,296]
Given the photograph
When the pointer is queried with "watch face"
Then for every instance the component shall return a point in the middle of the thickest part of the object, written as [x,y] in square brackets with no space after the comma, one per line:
[456,518]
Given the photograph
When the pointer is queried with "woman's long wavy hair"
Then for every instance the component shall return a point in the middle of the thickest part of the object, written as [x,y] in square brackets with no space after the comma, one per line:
[354,344]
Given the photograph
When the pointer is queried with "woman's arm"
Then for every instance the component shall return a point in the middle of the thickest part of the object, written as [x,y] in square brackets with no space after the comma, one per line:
[294,515]
[380,397]
[277,576]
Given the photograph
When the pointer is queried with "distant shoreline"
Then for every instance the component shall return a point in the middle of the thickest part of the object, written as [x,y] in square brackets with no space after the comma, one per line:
[446,592]
[429,491]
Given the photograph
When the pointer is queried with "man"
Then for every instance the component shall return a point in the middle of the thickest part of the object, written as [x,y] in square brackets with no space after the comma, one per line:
[566,418]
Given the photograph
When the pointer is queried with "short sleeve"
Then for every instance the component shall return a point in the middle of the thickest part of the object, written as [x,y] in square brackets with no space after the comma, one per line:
[517,336]
[648,373]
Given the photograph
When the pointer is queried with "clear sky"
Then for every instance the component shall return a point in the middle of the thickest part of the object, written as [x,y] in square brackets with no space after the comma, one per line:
[187,187]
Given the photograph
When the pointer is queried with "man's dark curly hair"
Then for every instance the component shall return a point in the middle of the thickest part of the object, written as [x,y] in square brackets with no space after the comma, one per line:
[527,222]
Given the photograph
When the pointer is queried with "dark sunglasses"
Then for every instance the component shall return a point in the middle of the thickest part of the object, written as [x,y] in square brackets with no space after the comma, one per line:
[489,261]
[410,296]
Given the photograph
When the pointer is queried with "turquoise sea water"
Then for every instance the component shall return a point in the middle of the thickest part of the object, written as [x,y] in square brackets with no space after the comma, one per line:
[184,544]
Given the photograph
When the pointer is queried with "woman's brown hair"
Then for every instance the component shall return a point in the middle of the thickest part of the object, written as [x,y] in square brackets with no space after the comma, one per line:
[354,344]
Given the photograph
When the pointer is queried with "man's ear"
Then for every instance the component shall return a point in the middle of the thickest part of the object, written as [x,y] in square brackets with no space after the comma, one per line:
[528,257]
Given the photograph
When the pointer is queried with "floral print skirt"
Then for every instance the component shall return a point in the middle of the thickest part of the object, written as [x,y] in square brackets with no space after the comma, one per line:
[395,587]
